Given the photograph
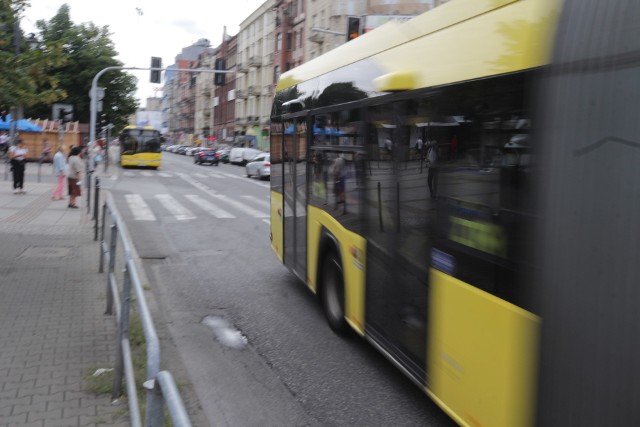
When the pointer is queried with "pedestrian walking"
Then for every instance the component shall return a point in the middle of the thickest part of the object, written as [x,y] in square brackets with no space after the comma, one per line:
[75,167]
[432,164]
[18,158]
[59,171]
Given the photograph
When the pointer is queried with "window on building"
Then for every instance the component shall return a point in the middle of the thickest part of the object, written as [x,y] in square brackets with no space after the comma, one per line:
[276,73]
[288,41]
[279,42]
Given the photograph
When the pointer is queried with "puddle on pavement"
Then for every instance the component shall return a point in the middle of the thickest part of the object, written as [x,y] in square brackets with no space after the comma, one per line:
[225,332]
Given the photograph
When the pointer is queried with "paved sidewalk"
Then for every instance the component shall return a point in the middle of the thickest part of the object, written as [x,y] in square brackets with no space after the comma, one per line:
[53,333]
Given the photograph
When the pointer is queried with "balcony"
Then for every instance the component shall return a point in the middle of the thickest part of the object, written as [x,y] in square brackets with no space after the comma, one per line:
[241,94]
[242,67]
[255,61]
[253,91]
[241,121]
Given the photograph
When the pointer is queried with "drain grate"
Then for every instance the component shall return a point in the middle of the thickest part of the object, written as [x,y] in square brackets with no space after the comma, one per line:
[46,252]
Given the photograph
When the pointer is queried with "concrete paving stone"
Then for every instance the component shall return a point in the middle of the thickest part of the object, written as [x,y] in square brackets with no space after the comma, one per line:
[31,407]
[14,420]
[74,386]
[114,420]
[64,404]
[35,416]
[8,394]
[49,399]
[10,385]
[33,391]
[62,423]
[88,411]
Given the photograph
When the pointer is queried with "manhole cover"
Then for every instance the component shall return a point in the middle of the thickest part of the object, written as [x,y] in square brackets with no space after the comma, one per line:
[46,252]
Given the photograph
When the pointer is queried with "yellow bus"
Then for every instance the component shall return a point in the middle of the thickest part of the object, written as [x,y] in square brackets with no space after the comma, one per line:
[140,146]
[421,248]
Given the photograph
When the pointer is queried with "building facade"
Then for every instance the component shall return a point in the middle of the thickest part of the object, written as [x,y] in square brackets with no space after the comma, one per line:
[277,36]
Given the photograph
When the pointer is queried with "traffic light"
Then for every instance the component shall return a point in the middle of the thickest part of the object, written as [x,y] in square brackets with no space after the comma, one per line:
[353,27]
[218,78]
[3,116]
[65,116]
[155,74]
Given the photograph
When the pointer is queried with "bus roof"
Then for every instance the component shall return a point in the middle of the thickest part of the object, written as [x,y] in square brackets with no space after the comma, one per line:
[457,41]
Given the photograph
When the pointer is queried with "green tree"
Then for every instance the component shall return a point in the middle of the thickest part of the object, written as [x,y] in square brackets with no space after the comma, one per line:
[25,73]
[88,49]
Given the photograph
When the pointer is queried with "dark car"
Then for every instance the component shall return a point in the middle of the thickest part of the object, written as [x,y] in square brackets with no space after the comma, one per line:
[224,154]
[207,155]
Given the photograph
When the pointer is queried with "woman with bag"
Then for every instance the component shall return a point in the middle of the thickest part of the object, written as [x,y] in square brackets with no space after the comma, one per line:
[59,170]
[75,175]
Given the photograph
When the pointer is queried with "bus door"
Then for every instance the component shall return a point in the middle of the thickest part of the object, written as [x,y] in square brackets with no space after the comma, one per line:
[398,213]
[295,195]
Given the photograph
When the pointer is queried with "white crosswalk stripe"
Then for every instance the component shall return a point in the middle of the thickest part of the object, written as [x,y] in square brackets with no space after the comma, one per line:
[200,175]
[209,207]
[139,208]
[263,203]
[241,206]
[165,175]
[172,205]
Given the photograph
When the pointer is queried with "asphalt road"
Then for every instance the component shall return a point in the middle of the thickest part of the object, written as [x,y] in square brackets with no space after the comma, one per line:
[238,329]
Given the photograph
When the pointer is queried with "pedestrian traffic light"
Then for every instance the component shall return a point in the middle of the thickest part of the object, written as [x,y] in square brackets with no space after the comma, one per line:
[218,78]
[3,116]
[156,62]
[353,27]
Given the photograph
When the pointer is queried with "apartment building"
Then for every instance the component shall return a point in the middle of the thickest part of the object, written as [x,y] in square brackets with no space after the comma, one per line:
[255,75]
[277,36]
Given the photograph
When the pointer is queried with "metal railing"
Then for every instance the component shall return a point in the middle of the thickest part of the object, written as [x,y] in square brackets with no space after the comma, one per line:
[160,386]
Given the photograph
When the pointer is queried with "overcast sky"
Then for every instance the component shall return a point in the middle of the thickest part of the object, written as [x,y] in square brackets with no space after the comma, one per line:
[145,28]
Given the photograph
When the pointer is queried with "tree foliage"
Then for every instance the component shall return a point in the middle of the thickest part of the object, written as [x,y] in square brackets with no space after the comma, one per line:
[87,49]
[25,73]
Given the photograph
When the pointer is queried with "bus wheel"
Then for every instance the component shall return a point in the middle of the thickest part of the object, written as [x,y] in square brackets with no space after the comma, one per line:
[333,293]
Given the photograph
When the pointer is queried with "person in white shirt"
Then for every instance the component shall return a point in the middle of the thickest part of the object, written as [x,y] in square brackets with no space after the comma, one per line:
[18,157]
[76,165]
[59,170]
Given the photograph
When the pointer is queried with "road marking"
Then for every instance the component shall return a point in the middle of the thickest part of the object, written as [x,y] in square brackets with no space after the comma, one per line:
[262,203]
[164,175]
[200,175]
[172,205]
[147,173]
[209,207]
[139,208]
[241,206]
[237,205]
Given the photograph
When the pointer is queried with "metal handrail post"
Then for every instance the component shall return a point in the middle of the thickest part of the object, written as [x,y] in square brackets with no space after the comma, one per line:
[96,208]
[104,220]
[123,332]
[112,265]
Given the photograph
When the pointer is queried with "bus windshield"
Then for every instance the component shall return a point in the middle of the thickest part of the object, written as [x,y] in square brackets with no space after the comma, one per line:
[140,141]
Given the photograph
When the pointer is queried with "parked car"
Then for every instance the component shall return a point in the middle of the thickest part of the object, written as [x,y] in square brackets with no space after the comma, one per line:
[207,155]
[260,166]
[224,154]
[182,149]
[192,151]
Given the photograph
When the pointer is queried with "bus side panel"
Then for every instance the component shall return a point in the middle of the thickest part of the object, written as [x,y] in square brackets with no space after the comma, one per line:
[276,225]
[352,250]
[482,355]
[141,159]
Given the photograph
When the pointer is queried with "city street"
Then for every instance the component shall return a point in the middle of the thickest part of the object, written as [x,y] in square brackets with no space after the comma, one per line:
[235,324]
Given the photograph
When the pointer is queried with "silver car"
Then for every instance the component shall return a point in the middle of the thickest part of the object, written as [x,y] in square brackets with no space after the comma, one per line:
[259,166]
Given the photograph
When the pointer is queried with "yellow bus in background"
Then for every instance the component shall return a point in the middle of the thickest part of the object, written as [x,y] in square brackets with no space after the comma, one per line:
[140,146]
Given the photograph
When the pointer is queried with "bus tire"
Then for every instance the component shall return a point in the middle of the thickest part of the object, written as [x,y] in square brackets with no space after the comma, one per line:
[332,293]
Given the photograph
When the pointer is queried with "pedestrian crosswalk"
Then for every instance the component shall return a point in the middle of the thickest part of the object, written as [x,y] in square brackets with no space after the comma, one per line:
[205,200]
[212,175]
[187,207]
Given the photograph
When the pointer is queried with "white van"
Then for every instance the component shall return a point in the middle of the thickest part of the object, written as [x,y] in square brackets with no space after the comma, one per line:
[242,155]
